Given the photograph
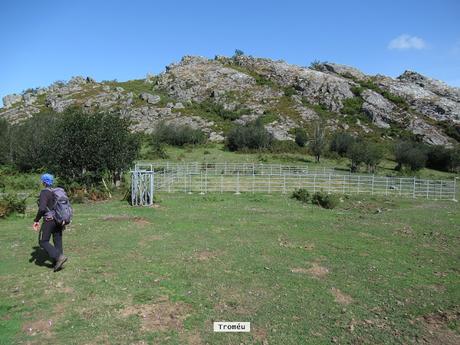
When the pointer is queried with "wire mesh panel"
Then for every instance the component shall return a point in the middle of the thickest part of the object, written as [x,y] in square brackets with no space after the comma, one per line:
[276,178]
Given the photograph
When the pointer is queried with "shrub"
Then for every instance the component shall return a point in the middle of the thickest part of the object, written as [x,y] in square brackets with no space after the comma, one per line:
[10,203]
[355,154]
[4,142]
[284,146]
[325,200]
[438,157]
[37,151]
[341,142]
[352,106]
[301,137]
[410,154]
[177,135]
[252,136]
[301,194]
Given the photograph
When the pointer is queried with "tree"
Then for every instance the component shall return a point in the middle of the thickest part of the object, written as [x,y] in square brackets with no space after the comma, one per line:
[5,142]
[301,137]
[91,146]
[318,141]
[252,136]
[177,135]
[372,155]
[410,154]
[32,142]
[341,142]
[356,155]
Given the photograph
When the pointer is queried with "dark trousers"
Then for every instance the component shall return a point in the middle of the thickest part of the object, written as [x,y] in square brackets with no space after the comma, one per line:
[48,229]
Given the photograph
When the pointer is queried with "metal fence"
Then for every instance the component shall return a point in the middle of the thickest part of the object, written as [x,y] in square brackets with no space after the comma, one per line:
[270,178]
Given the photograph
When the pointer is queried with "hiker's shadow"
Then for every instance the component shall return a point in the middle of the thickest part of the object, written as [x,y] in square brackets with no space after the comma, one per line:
[39,256]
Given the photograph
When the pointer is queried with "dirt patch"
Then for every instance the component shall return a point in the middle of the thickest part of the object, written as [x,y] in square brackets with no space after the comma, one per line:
[260,335]
[315,270]
[124,217]
[42,327]
[436,326]
[286,243]
[205,255]
[340,297]
[163,315]
[192,339]
[405,231]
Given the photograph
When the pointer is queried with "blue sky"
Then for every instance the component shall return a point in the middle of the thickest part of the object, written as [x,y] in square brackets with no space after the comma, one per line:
[44,41]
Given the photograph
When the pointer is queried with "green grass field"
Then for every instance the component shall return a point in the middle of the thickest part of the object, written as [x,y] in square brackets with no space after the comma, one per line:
[373,271]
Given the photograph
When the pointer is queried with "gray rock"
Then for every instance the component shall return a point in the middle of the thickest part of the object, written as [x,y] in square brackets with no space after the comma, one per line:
[378,108]
[149,98]
[29,98]
[119,89]
[9,100]
[342,70]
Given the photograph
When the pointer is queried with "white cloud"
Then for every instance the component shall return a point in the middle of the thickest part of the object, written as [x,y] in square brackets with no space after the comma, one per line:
[404,42]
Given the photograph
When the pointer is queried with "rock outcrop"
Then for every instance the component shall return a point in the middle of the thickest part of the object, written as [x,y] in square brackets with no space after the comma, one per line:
[212,93]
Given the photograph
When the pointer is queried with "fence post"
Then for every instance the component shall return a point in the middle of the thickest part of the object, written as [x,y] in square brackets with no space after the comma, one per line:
[238,182]
[284,183]
[190,184]
[386,187]
[455,189]
[413,192]
[427,188]
[440,192]
[314,183]
[372,190]
[400,186]
[269,183]
[201,183]
[329,187]
[253,179]
[359,181]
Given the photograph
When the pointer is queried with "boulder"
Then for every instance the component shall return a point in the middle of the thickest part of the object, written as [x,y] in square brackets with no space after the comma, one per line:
[9,100]
[149,98]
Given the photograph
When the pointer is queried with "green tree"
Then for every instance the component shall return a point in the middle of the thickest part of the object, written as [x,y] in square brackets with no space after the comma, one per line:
[91,146]
[5,142]
[318,140]
[410,154]
[301,137]
[355,153]
[372,155]
[32,142]
[341,142]
[252,136]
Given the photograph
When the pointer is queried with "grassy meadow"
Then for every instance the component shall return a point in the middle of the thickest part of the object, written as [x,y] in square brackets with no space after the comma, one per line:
[371,271]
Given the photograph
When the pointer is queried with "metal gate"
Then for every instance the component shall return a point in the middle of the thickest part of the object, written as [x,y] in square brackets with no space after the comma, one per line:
[142,187]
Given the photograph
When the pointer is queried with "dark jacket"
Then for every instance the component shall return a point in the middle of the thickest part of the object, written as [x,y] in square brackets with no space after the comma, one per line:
[45,204]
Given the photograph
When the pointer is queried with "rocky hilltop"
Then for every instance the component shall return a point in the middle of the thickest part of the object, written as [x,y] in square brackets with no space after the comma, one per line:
[215,94]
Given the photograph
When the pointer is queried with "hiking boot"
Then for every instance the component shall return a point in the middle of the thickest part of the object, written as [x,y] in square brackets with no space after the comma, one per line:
[60,262]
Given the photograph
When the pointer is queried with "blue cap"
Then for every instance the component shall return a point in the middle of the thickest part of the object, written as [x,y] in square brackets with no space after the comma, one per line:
[47,179]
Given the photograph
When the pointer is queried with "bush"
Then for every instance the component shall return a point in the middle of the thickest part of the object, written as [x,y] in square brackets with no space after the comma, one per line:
[356,155]
[352,106]
[284,146]
[325,200]
[301,137]
[301,194]
[442,158]
[177,135]
[411,155]
[10,203]
[5,142]
[252,136]
[341,142]
[36,152]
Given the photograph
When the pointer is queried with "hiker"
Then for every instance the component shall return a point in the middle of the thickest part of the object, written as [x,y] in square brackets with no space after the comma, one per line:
[46,205]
